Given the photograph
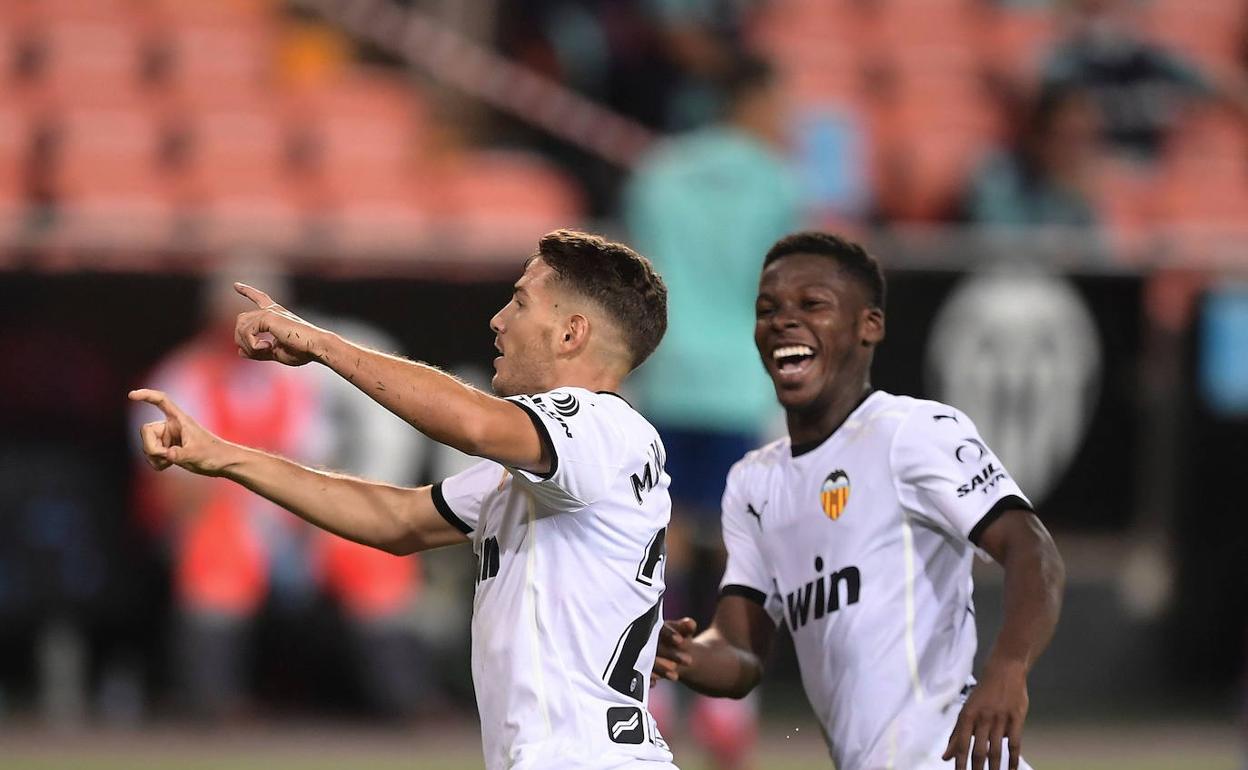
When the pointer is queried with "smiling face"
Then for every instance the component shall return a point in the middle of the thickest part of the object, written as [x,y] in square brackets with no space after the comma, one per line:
[815,330]
[525,334]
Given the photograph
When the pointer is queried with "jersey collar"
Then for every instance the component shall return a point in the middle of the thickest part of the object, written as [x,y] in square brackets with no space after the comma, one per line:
[798,450]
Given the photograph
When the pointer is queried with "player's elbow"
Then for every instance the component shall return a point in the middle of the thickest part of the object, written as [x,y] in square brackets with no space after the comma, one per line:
[476,436]
[400,546]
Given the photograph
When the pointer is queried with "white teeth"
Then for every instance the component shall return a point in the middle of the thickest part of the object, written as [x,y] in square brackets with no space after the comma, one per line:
[792,350]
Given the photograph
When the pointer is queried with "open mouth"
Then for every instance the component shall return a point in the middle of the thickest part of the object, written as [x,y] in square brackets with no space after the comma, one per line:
[792,360]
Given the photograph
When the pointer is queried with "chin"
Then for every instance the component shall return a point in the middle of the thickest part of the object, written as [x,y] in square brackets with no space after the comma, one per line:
[499,386]
[794,400]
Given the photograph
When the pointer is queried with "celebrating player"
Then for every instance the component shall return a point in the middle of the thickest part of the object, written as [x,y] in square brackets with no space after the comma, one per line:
[566,514]
[858,531]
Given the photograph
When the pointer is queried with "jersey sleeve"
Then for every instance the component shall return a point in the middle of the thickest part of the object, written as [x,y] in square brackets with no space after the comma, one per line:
[586,449]
[746,573]
[460,498]
[947,474]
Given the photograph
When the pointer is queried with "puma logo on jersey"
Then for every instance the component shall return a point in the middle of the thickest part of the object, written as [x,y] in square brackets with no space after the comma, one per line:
[648,478]
[822,596]
[983,481]
[624,724]
[758,515]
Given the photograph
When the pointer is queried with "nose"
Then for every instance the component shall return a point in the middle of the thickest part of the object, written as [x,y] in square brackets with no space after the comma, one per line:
[496,323]
[783,318]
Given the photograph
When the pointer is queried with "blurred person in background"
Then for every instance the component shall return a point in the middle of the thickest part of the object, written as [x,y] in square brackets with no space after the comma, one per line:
[1046,179]
[1139,87]
[704,206]
[705,41]
[858,531]
[232,553]
[659,62]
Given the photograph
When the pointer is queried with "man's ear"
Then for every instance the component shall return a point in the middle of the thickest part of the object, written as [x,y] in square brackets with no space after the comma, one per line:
[574,334]
[871,327]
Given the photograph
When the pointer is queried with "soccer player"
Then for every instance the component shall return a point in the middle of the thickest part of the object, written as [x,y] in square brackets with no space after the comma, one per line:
[567,512]
[858,531]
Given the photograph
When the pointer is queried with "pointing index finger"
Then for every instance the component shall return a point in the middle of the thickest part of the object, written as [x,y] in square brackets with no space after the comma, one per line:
[261,299]
[158,399]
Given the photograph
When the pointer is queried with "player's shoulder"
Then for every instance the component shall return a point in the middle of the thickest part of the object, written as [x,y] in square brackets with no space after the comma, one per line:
[890,418]
[568,401]
[607,410]
[759,461]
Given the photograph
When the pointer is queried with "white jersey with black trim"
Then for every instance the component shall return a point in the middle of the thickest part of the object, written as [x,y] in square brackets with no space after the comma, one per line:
[569,588]
[863,547]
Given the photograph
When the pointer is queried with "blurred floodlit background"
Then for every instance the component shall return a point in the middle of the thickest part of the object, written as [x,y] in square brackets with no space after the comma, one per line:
[1058,190]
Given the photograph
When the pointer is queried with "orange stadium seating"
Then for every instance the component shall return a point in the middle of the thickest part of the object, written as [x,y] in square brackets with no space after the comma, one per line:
[1209,31]
[15,148]
[492,199]
[107,177]
[239,178]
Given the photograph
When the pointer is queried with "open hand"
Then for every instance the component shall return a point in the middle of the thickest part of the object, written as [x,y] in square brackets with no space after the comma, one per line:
[273,333]
[993,713]
[178,439]
[675,638]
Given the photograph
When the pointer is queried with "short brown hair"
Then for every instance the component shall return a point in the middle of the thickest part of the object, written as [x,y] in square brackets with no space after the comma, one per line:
[620,280]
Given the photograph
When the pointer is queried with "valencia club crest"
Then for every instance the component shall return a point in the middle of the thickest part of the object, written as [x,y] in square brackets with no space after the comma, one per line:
[834,494]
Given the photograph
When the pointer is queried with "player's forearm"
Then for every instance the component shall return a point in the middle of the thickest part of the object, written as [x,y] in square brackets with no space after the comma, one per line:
[365,512]
[435,403]
[1035,579]
[720,669]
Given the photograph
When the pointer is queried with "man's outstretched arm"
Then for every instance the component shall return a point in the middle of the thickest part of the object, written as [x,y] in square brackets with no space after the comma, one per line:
[1035,579]
[435,403]
[724,661]
[398,520]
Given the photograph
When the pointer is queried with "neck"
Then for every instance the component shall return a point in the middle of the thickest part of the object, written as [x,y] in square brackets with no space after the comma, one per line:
[815,423]
[597,379]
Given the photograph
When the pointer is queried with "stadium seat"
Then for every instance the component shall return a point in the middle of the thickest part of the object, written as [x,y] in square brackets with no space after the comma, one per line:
[15,141]
[238,180]
[1124,196]
[236,13]
[364,93]
[107,179]
[837,23]
[15,148]
[897,24]
[820,74]
[921,170]
[495,201]
[1013,42]
[79,11]
[944,87]
[364,119]
[380,217]
[217,60]
[227,147]
[1210,31]
[91,64]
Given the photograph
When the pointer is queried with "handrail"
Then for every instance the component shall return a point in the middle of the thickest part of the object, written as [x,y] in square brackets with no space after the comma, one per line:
[475,69]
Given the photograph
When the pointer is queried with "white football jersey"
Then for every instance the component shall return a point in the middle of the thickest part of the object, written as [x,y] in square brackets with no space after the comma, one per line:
[863,547]
[569,589]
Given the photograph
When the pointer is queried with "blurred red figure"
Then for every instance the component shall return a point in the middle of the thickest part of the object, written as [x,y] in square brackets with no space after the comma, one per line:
[230,550]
